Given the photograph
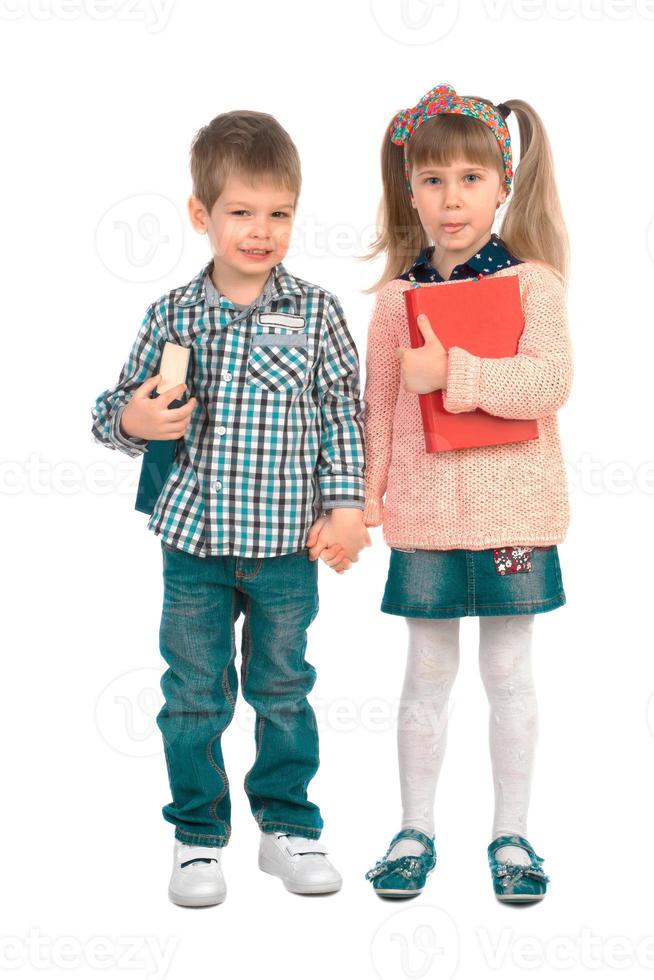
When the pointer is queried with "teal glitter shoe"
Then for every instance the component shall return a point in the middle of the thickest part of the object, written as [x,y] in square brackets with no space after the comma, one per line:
[517,882]
[405,876]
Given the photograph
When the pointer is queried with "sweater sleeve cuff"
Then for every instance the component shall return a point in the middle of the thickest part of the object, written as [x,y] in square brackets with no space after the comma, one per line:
[462,387]
[373,512]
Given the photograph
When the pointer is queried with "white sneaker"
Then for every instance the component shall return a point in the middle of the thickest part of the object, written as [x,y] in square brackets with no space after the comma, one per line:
[299,862]
[199,882]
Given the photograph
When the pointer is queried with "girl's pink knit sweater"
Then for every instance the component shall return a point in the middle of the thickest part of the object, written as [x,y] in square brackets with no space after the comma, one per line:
[486,497]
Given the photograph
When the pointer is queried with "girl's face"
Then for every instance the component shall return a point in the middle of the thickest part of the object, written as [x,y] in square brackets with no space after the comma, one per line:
[456,204]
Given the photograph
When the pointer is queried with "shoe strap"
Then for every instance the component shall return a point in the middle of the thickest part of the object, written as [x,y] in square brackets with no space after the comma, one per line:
[412,834]
[513,840]
[192,853]
[303,845]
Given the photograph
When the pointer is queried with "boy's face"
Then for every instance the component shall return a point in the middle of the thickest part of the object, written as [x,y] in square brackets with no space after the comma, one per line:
[249,227]
[464,195]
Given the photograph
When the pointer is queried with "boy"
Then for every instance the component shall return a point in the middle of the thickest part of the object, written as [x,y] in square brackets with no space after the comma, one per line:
[271,464]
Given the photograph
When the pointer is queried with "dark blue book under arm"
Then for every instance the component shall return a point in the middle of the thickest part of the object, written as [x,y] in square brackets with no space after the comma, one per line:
[156,464]
[158,460]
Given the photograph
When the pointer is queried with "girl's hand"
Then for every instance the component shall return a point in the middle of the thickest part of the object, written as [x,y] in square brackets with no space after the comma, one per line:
[423,369]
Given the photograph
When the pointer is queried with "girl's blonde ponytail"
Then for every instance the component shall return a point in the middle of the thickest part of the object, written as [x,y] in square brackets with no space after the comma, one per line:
[401,236]
[533,226]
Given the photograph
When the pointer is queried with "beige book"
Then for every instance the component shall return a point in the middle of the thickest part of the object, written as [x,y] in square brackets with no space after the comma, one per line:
[173,367]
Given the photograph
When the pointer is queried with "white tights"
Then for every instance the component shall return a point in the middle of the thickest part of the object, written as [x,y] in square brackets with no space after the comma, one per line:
[505,666]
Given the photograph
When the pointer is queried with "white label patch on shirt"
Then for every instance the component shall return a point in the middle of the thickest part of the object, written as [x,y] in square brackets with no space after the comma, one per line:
[287,320]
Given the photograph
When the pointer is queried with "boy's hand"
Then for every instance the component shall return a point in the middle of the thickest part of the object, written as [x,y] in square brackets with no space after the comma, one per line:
[150,418]
[423,369]
[333,556]
[342,529]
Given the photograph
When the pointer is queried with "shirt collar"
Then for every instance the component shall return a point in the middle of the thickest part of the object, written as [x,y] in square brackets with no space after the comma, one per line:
[211,294]
[279,284]
[492,256]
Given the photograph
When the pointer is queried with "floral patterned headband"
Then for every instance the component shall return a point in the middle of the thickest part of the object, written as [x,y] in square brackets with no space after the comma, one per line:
[443,99]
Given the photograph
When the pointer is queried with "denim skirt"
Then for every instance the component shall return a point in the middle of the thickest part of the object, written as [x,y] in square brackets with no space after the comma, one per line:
[462,582]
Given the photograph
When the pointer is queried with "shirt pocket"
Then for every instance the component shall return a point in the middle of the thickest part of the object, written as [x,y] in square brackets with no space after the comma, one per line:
[278,362]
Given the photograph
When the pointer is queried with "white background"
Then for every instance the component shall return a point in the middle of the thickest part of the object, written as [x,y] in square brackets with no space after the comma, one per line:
[100,103]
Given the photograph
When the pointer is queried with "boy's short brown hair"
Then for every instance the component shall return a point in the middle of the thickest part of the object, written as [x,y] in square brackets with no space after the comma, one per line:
[251,144]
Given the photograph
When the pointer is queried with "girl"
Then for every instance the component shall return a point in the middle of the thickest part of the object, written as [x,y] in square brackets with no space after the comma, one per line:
[472,532]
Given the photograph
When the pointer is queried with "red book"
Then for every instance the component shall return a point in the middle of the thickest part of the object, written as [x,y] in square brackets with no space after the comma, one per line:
[484,316]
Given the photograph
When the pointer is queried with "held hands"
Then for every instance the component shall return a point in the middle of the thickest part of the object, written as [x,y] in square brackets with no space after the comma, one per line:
[423,369]
[338,538]
[150,418]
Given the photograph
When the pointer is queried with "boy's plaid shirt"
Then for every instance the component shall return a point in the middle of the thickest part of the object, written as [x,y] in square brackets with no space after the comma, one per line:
[277,435]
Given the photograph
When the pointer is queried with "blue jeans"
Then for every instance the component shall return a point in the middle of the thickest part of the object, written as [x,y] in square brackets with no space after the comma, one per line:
[203,598]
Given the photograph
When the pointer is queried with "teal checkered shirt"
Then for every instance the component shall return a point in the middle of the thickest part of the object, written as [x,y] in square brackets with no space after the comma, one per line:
[277,436]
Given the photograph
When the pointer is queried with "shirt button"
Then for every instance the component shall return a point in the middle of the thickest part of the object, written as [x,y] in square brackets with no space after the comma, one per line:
[221,430]
[217,485]
[227,375]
